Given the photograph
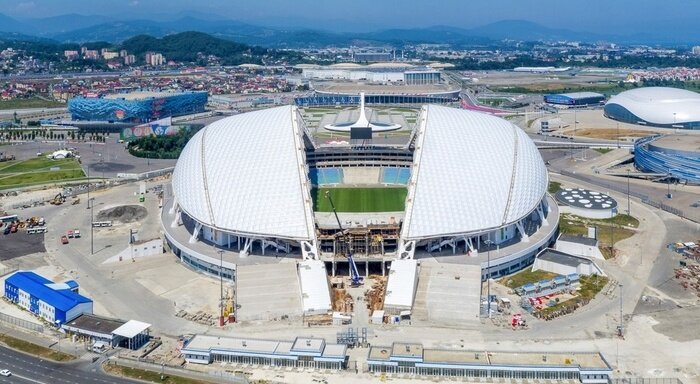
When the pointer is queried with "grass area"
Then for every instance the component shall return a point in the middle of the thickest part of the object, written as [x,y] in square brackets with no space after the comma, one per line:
[604,88]
[33,349]
[608,133]
[360,199]
[29,103]
[554,187]
[526,276]
[40,177]
[603,150]
[590,287]
[37,164]
[608,229]
[38,170]
[149,376]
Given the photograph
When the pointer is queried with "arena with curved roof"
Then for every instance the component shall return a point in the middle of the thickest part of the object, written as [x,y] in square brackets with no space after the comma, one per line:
[656,107]
[474,186]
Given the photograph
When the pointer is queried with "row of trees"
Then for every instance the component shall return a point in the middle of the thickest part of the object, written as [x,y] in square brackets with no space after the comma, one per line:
[14,134]
[161,147]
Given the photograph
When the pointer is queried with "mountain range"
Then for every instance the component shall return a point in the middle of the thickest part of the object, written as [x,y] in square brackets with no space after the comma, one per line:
[81,28]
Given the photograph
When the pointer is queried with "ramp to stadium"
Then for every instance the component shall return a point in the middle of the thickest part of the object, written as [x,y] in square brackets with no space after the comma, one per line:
[268,291]
[447,293]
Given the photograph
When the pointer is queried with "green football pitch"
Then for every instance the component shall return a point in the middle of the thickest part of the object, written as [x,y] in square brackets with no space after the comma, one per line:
[360,199]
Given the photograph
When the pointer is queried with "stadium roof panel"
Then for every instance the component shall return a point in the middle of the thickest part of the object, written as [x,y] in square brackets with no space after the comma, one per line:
[472,172]
[245,174]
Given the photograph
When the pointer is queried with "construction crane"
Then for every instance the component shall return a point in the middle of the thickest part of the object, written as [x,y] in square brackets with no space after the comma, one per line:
[355,278]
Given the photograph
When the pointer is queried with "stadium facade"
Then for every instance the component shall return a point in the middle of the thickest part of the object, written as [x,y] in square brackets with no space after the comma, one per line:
[475,183]
[575,99]
[656,107]
[136,107]
[656,154]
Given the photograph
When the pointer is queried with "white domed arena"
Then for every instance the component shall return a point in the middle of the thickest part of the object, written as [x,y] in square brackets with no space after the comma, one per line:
[656,107]
[466,188]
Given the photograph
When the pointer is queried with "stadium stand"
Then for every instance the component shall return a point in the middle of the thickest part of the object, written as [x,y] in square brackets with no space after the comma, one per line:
[393,175]
[326,176]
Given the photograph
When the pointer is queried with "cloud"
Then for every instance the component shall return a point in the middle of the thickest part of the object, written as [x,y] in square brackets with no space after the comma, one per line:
[25,6]
[134,3]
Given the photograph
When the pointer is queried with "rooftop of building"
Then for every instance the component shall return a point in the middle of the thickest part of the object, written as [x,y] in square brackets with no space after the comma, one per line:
[559,257]
[97,324]
[38,286]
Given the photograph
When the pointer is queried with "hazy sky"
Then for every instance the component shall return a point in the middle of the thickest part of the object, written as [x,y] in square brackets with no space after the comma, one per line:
[585,15]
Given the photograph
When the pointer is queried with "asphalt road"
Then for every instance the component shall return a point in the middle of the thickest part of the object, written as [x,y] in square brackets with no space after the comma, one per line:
[30,369]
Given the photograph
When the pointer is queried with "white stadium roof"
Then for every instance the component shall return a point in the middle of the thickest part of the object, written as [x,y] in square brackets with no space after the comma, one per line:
[472,172]
[660,104]
[246,174]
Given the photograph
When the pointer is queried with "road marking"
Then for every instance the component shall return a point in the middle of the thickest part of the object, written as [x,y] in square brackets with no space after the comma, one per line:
[29,379]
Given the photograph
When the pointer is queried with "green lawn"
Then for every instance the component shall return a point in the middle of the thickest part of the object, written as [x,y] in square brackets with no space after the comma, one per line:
[36,164]
[608,229]
[29,103]
[38,170]
[149,376]
[360,199]
[554,187]
[526,276]
[40,177]
[33,349]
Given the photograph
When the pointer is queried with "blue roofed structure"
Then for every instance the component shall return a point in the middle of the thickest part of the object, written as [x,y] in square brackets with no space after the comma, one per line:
[54,302]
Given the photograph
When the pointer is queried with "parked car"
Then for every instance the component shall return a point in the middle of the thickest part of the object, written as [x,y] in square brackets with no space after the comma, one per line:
[5,373]
[64,239]
[70,233]
[76,233]
[7,230]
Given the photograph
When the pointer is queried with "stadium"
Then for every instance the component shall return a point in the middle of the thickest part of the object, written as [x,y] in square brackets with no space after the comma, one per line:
[464,184]
[576,99]
[136,107]
[669,156]
[656,107]
[382,83]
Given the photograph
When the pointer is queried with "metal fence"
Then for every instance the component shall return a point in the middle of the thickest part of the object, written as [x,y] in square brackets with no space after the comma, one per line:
[16,321]
[646,380]
[218,376]
[622,189]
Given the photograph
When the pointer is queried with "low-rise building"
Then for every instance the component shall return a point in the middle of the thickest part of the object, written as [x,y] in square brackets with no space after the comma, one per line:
[412,358]
[54,302]
[304,352]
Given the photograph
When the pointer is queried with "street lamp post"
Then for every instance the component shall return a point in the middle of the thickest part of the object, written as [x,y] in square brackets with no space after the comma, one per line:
[91,204]
[621,326]
[58,325]
[221,282]
[629,212]
[489,243]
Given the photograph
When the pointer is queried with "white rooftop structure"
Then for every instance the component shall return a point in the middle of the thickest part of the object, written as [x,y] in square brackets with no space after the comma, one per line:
[659,105]
[472,173]
[401,286]
[246,175]
[362,122]
[315,296]
[131,329]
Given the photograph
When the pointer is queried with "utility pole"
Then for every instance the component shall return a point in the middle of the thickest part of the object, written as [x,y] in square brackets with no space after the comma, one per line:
[621,326]
[629,211]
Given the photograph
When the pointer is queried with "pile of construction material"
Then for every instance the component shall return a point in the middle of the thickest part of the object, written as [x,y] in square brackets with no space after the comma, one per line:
[375,296]
[689,277]
[200,317]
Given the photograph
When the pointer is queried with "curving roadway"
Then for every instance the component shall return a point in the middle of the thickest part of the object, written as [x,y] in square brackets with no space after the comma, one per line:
[30,369]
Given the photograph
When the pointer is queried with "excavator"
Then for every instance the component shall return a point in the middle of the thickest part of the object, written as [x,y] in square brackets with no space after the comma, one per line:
[58,199]
[355,279]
